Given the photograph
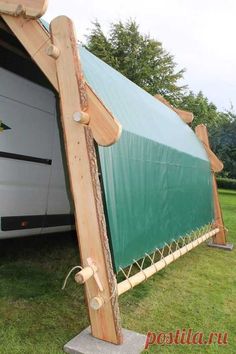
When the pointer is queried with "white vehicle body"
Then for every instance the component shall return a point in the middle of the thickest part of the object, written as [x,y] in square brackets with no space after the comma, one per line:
[33,193]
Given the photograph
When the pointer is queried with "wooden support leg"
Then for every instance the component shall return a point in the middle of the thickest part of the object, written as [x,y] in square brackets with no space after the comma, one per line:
[220,237]
[83,171]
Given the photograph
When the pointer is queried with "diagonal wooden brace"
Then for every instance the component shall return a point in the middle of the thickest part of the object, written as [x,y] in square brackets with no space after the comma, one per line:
[217,166]
[85,186]
[26,8]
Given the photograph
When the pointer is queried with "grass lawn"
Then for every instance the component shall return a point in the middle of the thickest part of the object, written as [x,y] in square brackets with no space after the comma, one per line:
[198,291]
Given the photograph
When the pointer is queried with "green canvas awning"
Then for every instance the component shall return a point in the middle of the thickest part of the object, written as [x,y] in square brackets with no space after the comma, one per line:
[157,178]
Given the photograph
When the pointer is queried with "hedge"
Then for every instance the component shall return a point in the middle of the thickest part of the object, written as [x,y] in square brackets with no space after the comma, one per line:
[226,183]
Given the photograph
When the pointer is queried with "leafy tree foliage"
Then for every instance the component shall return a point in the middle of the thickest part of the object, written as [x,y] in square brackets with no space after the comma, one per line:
[139,57]
[223,142]
[205,112]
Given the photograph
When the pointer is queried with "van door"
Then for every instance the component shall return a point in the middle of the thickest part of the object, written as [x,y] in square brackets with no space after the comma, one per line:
[27,113]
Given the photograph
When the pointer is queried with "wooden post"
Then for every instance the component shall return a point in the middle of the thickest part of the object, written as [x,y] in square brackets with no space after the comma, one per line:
[85,186]
[217,166]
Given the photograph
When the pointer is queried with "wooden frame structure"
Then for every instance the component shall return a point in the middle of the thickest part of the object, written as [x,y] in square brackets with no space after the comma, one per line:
[84,118]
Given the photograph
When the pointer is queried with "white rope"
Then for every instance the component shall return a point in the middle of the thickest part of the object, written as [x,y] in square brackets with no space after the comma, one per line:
[141,267]
[127,275]
[69,274]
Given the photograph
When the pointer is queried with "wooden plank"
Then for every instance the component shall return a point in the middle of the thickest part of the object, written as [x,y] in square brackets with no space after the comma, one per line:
[36,40]
[186,116]
[220,237]
[85,186]
[27,8]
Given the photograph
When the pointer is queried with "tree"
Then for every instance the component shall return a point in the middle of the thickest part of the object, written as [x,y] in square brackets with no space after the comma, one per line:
[139,57]
[205,112]
[223,142]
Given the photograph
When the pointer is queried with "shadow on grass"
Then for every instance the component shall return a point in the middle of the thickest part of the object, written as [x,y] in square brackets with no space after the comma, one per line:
[227,192]
[40,246]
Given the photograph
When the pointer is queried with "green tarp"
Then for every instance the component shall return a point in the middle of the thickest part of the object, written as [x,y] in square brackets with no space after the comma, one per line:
[157,178]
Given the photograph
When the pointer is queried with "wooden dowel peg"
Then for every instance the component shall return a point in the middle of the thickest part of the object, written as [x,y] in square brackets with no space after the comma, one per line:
[96,303]
[81,117]
[85,274]
[53,51]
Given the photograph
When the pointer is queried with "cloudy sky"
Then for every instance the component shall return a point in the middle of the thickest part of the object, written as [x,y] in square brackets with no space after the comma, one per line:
[199,33]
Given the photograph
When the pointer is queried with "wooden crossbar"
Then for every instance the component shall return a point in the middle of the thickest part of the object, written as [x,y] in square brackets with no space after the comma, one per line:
[146,273]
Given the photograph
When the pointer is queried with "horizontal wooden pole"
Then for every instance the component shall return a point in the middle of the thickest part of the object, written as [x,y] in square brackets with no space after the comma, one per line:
[154,268]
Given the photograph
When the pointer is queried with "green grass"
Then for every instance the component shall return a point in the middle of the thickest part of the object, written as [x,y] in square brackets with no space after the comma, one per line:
[198,291]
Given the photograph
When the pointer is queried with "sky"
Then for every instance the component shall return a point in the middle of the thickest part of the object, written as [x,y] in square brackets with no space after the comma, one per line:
[200,34]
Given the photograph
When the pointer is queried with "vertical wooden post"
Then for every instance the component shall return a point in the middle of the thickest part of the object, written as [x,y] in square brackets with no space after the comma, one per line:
[85,185]
[220,237]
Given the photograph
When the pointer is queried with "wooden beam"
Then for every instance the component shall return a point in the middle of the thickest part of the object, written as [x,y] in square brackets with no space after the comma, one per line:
[106,129]
[27,8]
[36,40]
[85,186]
[186,116]
[220,238]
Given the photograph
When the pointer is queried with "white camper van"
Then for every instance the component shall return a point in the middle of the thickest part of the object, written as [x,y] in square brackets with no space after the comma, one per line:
[33,193]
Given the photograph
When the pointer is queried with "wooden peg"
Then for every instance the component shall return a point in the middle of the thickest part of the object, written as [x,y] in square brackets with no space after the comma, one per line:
[53,51]
[81,117]
[96,303]
[85,274]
